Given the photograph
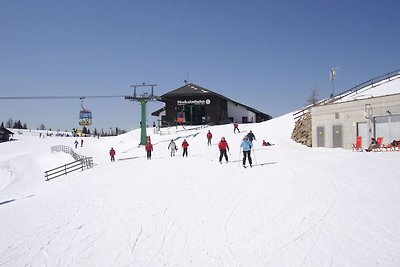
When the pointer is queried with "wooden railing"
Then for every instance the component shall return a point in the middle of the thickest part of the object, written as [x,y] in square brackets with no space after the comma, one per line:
[177,129]
[68,150]
[80,163]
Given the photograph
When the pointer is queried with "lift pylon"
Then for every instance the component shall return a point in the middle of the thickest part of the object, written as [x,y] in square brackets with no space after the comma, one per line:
[143,99]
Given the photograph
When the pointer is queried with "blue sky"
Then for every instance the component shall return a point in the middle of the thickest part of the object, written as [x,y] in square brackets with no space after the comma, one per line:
[265,54]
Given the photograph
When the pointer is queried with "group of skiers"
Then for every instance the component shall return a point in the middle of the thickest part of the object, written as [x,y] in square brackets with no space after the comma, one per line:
[76,143]
[173,148]
[246,146]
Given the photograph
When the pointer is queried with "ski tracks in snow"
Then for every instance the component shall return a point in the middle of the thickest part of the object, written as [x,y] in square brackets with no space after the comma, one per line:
[227,238]
[312,227]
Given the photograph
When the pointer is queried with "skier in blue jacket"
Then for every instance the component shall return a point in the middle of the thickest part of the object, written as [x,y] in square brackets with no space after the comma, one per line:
[246,146]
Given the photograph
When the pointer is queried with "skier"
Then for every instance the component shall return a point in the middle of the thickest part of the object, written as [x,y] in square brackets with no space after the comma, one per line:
[76,143]
[185,145]
[209,137]
[223,147]
[172,147]
[112,154]
[235,127]
[81,142]
[148,148]
[251,136]
[246,146]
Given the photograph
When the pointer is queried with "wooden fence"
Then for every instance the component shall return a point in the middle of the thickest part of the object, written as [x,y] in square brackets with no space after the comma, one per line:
[80,163]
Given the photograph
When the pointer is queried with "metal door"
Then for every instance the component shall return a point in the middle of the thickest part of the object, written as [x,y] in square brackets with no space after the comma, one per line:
[321,136]
[337,136]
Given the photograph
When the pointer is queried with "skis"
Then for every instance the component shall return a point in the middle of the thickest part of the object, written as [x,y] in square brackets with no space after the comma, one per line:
[231,161]
[261,164]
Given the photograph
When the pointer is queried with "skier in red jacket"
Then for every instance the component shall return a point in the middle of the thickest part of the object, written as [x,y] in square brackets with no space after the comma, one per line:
[235,127]
[209,137]
[112,154]
[185,145]
[149,148]
[223,147]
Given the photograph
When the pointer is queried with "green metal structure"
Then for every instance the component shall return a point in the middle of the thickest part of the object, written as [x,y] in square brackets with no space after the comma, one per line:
[143,99]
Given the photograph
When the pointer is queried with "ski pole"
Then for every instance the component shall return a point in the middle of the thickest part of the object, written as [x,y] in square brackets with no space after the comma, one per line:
[254,154]
[240,153]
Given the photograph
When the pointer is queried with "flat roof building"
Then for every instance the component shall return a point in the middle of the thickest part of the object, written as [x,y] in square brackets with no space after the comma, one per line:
[370,110]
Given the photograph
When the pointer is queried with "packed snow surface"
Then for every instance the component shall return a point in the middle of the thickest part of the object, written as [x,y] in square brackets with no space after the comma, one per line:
[297,206]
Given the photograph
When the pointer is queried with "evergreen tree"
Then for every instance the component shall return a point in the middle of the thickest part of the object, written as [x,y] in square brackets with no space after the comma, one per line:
[2,125]
[17,125]
[84,130]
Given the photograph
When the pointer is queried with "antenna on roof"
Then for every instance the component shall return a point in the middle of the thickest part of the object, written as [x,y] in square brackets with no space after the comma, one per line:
[187,78]
[332,76]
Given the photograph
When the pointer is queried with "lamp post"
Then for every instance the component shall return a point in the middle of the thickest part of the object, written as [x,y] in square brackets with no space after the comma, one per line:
[332,76]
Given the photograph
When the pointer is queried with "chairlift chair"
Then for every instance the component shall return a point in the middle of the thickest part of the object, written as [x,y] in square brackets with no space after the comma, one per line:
[85,116]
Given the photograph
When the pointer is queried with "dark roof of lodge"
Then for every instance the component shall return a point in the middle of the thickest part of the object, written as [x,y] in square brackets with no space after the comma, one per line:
[4,130]
[193,89]
[157,112]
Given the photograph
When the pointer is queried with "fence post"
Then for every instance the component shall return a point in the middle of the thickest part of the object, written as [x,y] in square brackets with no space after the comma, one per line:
[65,166]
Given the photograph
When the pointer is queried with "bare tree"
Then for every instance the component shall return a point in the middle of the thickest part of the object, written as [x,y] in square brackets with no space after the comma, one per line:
[313,97]
[10,123]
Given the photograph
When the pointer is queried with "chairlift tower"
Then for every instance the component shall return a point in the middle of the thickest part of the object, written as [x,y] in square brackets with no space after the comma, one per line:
[143,99]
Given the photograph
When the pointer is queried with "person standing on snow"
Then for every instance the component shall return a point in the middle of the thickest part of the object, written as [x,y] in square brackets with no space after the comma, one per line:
[148,148]
[112,154]
[185,145]
[246,146]
[251,136]
[172,147]
[223,147]
[76,143]
[209,137]
[236,127]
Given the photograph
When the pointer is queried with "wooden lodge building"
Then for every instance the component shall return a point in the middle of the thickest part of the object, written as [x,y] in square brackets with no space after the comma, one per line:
[194,105]
[5,134]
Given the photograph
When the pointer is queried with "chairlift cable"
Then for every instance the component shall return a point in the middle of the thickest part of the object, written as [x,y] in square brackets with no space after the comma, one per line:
[58,97]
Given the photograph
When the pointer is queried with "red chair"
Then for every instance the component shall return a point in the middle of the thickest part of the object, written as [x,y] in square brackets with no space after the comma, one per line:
[378,146]
[358,145]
